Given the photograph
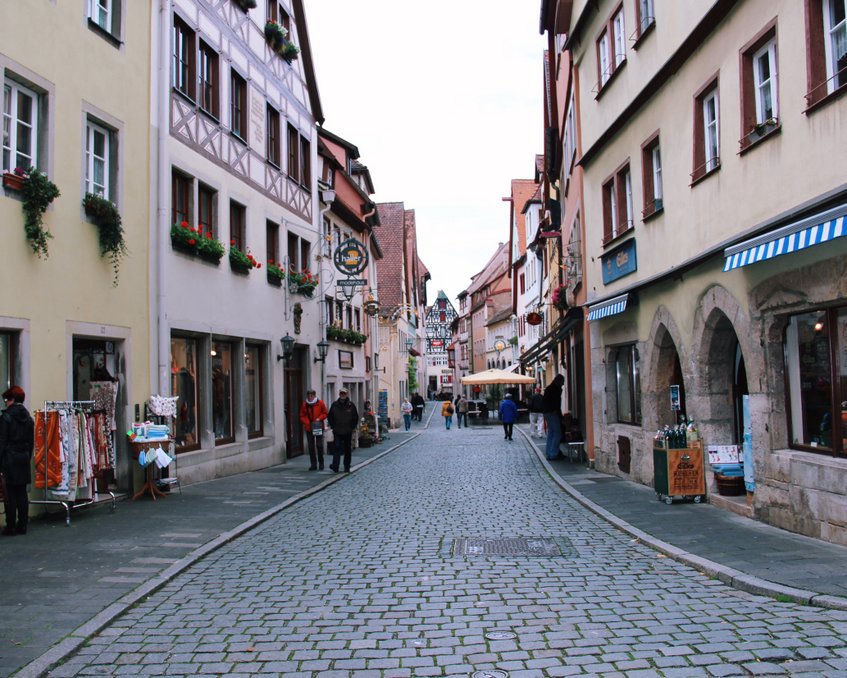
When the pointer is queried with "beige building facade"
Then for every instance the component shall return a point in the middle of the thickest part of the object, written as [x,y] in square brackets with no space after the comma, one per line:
[712,148]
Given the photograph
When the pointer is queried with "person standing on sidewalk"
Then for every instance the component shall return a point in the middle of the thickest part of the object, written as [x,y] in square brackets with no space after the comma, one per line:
[462,411]
[313,413]
[508,415]
[418,404]
[552,407]
[447,413]
[17,438]
[536,414]
[406,410]
[343,419]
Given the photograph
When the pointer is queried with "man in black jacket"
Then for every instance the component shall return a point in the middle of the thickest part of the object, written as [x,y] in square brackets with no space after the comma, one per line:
[17,437]
[343,419]
[552,406]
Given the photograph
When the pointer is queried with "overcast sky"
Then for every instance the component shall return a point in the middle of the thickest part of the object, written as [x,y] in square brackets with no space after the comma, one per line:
[443,99]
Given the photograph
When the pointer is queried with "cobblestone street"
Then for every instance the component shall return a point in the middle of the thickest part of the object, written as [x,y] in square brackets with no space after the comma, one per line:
[366,578]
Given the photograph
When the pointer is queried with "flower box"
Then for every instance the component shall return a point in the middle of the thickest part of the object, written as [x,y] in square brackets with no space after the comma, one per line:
[13,181]
[274,279]
[306,291]
[238,267]
[184,247]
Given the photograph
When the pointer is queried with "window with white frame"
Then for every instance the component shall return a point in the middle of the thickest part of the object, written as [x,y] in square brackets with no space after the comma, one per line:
[106,16]
[645,15]
[619,38]
[656,171]
[570,134]
[604,58]
[20,126]
[627,384]
[764,82]
[835,42]
[97,160]
[711,130]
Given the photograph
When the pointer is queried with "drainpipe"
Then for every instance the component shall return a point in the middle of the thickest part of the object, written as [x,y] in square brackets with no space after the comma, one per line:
[329,196]
[162,228]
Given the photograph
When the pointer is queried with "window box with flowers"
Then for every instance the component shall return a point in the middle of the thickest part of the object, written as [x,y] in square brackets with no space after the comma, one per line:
[37,192]
[345,336]
[560,298]
[275,274]
[302,283]
[195,243]
[241,261]
[277,38]
[104,213]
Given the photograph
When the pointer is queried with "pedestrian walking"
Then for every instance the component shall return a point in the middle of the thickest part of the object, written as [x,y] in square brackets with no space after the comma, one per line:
[536,414]
[552,407]
[17,438]
[313,414]
[447,413]
[342,419]
[418,403]
[508,415]
[406,410]
[462,411]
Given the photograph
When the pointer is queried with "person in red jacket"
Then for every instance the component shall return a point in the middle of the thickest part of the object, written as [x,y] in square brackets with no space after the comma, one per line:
[313,414]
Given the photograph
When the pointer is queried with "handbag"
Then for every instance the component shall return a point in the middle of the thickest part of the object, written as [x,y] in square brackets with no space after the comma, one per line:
[317,428]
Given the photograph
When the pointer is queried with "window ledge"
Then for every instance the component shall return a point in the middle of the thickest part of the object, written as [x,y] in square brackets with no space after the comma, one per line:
[602,87]
[618,236]
[110,37]
[754,138]
[824,100]
[639,38]
[697,176]
[235,135]
[651,212]
[182,95]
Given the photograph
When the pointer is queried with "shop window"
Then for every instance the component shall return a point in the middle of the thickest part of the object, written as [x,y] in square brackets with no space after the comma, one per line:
[222,394]
[208,84]
[254,401]
[7,360]
[238,105]
[94,360]
[21,133]
[273,149]
[706,132]
[238,226]
[105,16]
[183,45]
[185,385]
[627,385]
[816,365]
[651,178]
[826,28]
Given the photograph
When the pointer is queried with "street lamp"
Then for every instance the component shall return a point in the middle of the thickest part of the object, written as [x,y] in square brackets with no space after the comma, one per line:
[410,343]
[287,348]
[323,349]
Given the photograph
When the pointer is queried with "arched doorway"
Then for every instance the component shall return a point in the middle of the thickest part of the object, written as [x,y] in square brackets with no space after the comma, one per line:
[724,377]
[670,383]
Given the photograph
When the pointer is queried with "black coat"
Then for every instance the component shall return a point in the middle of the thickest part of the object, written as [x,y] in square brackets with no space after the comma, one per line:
[536,403]
[553,396]
[343,417]
[17,438]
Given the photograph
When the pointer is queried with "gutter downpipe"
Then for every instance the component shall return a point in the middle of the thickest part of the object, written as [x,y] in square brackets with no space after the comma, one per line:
[322,319]
[160,239]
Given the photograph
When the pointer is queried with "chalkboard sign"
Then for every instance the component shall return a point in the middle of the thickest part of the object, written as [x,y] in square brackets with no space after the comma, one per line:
[382,407]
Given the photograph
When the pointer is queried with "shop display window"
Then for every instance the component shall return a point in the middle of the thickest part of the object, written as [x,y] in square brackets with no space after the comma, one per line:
[184,384]
[628,385]
[254,404]
[222,396]
[816,367]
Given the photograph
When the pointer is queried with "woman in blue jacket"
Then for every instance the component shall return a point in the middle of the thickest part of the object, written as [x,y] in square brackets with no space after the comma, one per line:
[508,415]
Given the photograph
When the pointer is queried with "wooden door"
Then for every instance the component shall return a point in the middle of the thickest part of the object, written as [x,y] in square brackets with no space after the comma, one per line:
[293,397]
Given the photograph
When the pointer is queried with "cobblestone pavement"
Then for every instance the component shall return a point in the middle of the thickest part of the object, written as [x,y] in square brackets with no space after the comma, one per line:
[361,579]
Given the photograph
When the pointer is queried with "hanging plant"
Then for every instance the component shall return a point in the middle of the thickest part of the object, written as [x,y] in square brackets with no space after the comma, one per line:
[106,217]
[275,34]
[560,298]
[38,192]
[289,51]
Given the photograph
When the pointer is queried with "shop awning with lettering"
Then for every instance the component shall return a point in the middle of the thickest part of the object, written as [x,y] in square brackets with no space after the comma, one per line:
[808,232]
[609,307]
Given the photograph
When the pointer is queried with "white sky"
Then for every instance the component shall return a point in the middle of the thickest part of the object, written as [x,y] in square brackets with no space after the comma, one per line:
[443,100]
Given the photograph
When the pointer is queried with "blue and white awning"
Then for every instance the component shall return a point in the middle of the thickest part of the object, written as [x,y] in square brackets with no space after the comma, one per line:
[608,307]
[814,230]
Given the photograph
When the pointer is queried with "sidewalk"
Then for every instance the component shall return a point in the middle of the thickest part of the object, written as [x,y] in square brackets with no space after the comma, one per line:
[69,582]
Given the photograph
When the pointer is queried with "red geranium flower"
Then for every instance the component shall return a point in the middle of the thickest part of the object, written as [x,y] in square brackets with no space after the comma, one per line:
[192,241]
[209,236]
[184,224]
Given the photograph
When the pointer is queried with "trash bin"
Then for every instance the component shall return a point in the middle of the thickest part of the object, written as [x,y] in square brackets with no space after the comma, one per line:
[679,473]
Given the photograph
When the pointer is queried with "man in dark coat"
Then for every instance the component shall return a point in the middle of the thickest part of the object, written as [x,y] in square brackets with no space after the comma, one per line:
[343,419]
[552,407]
[508,415]
[17,437]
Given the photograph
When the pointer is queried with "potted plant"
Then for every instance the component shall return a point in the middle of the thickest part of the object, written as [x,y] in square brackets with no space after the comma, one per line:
[560,298]
[275,34]
[37,192]
[14,180]
[104,213]
[288,51]
[302,282]
[763,128]
[184,238]
[240,261]
[275,274]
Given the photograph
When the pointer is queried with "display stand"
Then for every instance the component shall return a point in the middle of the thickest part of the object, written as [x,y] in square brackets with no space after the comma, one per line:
[149,486]
[86,406]
[679,473]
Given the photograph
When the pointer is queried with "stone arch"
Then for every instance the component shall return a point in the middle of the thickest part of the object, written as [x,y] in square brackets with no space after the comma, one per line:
[665,357]
[724,366]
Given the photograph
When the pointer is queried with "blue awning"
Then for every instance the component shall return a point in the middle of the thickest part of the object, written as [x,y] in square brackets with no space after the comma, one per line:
[814,230]
[609,307]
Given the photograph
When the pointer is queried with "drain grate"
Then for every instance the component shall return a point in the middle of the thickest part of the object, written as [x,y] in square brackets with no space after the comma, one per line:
[506,546]
[490,674]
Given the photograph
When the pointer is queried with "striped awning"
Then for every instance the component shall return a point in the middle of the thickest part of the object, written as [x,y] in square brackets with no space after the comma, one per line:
[608,307]
[814,230]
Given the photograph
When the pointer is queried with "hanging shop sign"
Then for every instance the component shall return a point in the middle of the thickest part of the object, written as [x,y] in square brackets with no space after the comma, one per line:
[533,318]
[351,257]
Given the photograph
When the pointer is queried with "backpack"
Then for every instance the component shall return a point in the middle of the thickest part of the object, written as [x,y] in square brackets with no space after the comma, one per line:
[449,409]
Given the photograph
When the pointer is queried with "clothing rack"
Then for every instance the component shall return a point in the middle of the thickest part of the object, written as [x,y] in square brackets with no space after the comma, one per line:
[87,407]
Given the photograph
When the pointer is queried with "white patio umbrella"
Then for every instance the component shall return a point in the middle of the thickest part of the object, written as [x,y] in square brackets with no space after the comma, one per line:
[496,377]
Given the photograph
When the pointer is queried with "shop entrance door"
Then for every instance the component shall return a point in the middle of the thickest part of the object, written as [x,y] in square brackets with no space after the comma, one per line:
[293,397]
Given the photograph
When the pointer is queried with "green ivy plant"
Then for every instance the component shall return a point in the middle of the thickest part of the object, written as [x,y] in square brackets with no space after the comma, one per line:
[38,192]
[412,372]
[104,213]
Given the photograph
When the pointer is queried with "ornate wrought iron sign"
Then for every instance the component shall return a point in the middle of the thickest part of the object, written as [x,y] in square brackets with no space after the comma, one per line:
[351,257]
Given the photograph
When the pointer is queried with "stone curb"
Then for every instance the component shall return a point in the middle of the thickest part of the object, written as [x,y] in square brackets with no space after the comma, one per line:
[728,575]
[76,638]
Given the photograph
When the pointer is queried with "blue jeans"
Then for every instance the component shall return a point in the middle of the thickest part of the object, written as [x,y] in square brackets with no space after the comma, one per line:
[448,421]
[407,420]
[554,434]
[462,417]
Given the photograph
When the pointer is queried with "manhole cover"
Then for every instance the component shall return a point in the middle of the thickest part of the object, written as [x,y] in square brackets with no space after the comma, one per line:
[505,546]
[500,635]
[489,674]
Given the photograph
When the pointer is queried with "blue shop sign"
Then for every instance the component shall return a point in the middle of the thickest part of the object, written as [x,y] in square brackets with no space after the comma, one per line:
[619,262]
